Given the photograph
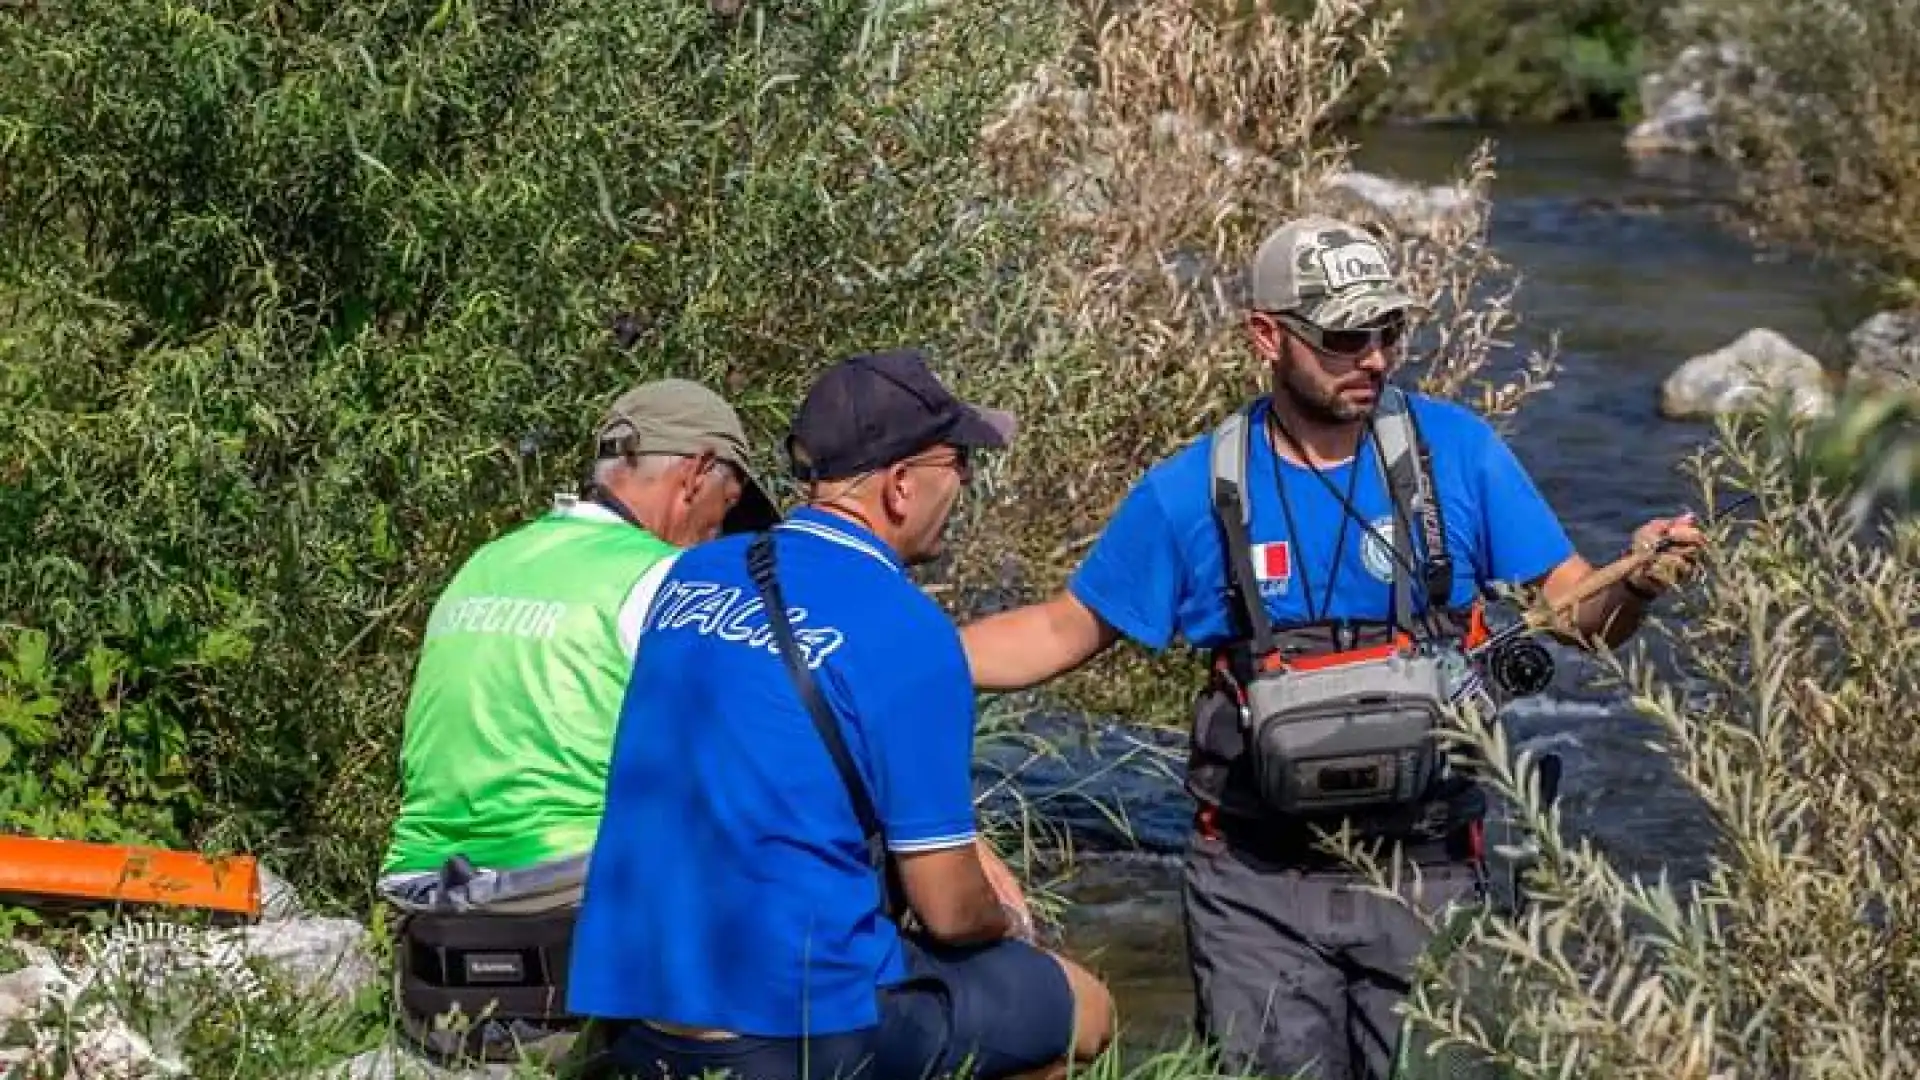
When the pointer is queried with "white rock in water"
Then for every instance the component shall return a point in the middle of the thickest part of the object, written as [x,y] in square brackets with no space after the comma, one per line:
[1681,124]
[1886,350]
[1680,100]
[1743,376]
[1413,207]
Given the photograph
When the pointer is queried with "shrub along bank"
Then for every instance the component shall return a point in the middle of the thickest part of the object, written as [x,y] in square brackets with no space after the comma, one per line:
[304,301]
[1812,104]
[1501,61]
[1793,954]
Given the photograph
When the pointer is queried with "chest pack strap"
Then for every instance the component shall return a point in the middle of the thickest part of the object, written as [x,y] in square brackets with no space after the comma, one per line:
[1408,469]
[760,563]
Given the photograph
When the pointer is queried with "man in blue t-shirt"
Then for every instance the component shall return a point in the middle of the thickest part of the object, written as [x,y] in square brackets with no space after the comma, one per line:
[1295,969]
[732,917]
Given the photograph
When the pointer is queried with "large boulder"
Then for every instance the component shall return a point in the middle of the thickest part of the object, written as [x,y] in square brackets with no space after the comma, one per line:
[1678,102]
[320,956]
[1746,375]
[1886,351]
[50,1013]
[314,957]
[1418,209]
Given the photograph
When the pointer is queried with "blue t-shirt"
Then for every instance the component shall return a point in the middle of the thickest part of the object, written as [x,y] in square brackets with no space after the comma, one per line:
[1157,572]
[729,886]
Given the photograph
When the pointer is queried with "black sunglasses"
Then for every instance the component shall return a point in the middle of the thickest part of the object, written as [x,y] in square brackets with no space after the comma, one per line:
[1346,343]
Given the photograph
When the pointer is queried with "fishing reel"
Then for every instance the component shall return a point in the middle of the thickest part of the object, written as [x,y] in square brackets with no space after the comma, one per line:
[1518,668]
[1511,664]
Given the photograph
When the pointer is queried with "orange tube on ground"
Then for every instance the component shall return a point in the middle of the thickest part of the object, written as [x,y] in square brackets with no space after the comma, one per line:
[73,869]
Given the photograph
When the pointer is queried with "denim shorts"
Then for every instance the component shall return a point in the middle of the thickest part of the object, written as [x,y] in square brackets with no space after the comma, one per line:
[995,1010]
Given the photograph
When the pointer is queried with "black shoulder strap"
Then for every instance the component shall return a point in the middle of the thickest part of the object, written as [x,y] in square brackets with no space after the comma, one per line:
[1409,471]
[760,564]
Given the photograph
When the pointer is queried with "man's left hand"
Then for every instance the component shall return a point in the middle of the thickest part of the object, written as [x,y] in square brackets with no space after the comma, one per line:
[1679,544]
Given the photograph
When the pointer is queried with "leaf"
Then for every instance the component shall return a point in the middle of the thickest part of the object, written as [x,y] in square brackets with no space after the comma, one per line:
[223,646]
[104,667]
[28,666]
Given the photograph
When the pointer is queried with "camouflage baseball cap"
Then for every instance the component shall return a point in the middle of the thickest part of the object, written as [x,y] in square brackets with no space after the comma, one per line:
[1330,273]
[680,416]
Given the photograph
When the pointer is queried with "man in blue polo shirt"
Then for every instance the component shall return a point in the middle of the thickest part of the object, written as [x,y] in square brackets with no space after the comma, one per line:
[1296,966]
[733,917]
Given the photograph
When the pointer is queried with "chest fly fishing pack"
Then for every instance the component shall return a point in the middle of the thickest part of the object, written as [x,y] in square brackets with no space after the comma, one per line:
[1345,730]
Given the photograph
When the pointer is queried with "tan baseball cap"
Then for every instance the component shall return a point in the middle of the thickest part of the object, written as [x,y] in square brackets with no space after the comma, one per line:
[1328,272]
[680,416]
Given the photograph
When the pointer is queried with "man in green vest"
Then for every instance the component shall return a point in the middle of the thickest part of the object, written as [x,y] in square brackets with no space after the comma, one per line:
[527,654]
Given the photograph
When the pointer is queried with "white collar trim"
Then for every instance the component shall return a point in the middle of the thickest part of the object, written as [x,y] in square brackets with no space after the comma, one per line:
[833,535]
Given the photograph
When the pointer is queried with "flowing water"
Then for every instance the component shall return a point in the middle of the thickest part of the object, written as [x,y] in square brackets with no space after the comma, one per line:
[1627,263]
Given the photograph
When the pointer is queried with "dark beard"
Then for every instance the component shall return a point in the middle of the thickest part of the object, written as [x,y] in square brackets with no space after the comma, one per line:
[1328,411]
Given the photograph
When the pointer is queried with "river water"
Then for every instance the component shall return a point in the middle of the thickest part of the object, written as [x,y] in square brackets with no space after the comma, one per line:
[1626,261]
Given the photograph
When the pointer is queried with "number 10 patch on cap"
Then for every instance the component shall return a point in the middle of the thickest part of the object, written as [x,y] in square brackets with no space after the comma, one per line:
[1271,562]
[1354,264]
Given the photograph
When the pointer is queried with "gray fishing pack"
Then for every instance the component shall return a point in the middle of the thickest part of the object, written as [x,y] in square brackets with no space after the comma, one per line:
[1350,730]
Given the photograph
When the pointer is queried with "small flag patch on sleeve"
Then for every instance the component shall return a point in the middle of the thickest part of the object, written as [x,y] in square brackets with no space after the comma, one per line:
[1271,562]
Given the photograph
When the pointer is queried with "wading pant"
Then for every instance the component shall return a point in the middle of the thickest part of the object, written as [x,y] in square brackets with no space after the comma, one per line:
[1297,971]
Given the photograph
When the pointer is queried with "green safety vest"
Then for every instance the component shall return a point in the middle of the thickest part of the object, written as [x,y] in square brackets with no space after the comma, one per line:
[517,694]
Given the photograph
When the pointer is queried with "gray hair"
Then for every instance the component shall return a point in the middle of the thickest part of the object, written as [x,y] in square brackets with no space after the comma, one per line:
[641,467]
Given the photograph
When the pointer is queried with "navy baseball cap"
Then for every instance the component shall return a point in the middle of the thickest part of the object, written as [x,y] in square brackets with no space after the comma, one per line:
[873,409]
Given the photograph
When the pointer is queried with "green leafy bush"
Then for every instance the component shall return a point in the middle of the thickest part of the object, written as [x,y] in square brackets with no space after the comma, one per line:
[1504,61]
[300,302]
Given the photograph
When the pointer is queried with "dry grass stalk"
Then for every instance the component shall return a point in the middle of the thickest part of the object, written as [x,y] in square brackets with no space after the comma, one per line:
[1165,139]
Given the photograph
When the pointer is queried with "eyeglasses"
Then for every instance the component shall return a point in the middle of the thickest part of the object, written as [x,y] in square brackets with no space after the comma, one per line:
[1346,344]
[961,460]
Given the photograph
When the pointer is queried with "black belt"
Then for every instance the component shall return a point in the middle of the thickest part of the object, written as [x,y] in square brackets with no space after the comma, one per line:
[1293,842]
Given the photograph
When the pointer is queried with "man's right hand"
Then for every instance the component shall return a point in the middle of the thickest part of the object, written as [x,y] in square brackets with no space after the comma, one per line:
[1680,545]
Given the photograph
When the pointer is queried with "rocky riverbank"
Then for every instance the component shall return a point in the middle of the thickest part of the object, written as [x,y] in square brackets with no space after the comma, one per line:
[131,1001]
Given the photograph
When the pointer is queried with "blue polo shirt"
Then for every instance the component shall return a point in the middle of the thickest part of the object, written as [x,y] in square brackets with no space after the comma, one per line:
[1157,572]
[729,886]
